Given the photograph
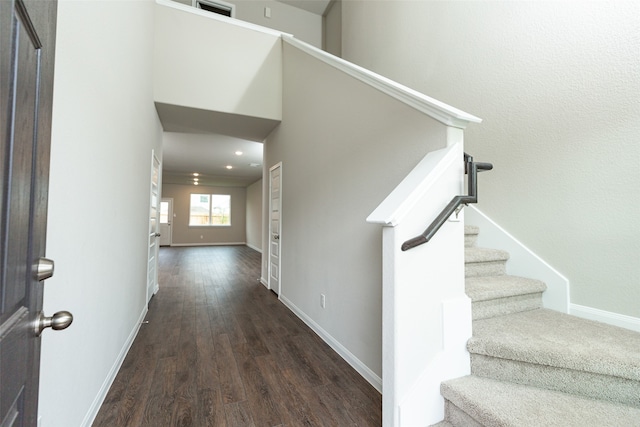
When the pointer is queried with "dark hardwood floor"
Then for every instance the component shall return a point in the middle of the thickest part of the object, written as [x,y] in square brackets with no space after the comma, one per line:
[221,350]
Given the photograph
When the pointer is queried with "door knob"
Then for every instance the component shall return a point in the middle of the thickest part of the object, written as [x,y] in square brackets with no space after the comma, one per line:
[276,237]
[158,234]
[59,320]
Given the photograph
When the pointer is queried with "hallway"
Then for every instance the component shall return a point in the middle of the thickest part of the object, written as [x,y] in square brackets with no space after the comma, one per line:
[219,349]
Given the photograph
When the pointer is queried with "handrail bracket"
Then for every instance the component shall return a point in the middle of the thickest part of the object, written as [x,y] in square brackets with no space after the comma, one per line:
[455,205]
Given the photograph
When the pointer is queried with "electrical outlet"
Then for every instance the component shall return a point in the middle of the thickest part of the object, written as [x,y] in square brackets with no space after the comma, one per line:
[322,300]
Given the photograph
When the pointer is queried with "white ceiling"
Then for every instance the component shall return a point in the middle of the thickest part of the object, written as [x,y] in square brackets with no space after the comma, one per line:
[209,155]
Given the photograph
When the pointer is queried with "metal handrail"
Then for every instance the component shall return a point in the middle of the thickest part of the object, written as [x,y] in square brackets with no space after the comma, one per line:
[471,169]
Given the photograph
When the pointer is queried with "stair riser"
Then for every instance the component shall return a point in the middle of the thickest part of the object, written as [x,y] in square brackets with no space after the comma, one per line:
[470,240]
[458,417]
[490,268]
[495,403]
[502,306]
[587,384]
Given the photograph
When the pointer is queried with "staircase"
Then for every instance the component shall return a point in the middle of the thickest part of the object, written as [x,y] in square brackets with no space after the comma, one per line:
[536,367]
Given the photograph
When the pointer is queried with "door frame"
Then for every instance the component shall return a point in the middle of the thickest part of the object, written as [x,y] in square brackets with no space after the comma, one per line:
[271,169]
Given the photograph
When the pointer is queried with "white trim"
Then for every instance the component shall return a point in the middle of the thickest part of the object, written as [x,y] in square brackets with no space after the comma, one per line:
[413,187]
[522,261]
[210,244]
[279,290]
[255,248]
[108,381]
[352,360]
[264,282]
[615,319]
[156,245]
[438,110]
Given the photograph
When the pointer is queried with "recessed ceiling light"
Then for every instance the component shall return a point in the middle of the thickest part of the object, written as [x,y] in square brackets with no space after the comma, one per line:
[196,179]
[229,167]
[238,153]
[196,174]
[254,165]
[195,182]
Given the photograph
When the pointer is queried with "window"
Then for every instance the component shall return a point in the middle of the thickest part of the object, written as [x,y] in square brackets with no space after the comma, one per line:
[164,212]
[210,209]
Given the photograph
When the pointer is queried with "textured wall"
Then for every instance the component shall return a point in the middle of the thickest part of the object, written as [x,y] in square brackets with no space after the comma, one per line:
[557,84]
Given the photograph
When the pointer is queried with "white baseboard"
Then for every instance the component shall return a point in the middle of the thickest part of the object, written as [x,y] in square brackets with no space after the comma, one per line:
[615,319]
[264,282]
[352,360]
[106,385]
[255,248]
[210,244]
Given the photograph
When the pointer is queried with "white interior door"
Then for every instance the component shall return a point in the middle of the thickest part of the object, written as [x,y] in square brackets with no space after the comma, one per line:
[166,218]
[275,218]
[154,233]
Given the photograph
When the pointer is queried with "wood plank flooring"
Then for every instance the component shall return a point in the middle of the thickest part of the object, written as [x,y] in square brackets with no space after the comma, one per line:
[221,350]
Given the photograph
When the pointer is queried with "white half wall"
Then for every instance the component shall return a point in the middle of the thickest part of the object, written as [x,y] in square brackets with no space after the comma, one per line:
[341,155]
[207,62]
[104,129]
[304,25]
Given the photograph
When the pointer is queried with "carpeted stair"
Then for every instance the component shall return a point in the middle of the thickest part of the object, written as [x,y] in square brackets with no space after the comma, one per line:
[536,367]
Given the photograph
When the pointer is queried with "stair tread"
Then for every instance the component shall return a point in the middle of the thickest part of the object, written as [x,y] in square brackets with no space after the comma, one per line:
[471,229]
[498,403]
[476,254]
[555,339]
[485,288]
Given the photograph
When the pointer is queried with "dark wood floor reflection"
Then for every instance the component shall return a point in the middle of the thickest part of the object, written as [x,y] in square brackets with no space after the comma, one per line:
[221,350]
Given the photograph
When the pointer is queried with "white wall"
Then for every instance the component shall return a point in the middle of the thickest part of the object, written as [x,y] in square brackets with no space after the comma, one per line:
[557,86]
[104,128]
[332,29]
[341,155]
[254,215]
[304,25]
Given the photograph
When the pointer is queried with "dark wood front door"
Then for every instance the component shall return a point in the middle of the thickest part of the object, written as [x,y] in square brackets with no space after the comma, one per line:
[27,40]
